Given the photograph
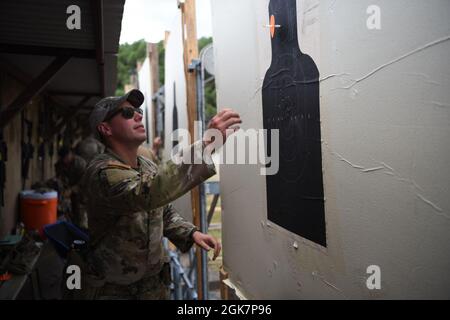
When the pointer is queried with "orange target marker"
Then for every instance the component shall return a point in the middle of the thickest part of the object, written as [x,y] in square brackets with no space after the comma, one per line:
[272,26]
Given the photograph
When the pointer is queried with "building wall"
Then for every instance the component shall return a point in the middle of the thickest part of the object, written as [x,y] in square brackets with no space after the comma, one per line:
[9,90]
[385,125]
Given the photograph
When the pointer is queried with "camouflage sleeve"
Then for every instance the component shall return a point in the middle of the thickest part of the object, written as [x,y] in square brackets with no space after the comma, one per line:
[128,191]
[177,229]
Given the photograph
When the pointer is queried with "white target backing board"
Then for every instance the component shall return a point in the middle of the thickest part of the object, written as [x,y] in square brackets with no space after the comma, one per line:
[385,130]
[175,100]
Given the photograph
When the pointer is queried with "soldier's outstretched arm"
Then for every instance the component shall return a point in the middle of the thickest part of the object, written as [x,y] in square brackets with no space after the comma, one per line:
[125,190]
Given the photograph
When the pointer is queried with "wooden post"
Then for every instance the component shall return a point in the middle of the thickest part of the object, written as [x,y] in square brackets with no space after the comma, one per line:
[166,38]
[153,55]
[224,291]
[190,45]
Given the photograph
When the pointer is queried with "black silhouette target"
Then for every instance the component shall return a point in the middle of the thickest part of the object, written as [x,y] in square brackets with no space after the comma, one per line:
[174,115]
[290,93]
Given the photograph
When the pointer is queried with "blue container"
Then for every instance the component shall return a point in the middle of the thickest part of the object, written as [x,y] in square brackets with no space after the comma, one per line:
[62,234]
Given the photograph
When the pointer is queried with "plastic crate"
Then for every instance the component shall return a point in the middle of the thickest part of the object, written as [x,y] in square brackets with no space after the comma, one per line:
[62,234]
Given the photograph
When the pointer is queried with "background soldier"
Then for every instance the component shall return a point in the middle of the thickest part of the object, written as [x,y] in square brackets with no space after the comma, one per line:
[88,148]
[69,172]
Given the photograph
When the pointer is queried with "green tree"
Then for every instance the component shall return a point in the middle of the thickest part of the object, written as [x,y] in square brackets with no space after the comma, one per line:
[203,42]
[161,59]
[129,55]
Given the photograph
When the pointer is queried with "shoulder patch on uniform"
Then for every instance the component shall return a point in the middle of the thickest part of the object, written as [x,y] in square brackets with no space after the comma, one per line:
[119,177]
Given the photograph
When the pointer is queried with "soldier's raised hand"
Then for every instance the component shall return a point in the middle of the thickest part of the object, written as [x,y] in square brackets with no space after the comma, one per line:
[225,119]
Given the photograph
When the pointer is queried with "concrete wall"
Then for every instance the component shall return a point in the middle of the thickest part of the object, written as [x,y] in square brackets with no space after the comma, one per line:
[174,73]
[385,124]
[10,89]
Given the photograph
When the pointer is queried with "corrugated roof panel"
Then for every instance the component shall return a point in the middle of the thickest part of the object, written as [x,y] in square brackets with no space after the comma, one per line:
[43,23]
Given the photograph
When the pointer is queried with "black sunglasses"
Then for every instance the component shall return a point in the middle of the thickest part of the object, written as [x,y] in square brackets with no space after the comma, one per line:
[126,112]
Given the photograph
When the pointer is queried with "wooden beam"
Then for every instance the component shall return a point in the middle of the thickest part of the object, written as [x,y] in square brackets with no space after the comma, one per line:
[224,290]
[190,52]
[25,79]
[46,51]
[33,89]
[69,116]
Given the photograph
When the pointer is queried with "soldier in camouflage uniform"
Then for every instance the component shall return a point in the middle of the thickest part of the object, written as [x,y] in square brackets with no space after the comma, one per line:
[128,201]
[88,148]
[69,171]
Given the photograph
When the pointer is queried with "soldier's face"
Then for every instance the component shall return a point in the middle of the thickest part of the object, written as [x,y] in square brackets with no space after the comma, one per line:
[128,130]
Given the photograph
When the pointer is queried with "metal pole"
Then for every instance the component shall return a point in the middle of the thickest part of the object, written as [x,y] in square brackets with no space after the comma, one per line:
[203,218]
[195,65]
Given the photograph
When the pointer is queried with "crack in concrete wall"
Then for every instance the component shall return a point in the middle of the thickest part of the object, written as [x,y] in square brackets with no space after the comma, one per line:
[404,56]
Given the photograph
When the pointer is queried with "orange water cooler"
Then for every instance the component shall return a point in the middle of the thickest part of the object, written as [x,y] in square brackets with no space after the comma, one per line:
[38,209]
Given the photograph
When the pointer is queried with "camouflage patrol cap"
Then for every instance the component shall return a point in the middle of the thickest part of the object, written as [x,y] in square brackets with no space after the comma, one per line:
[108,105]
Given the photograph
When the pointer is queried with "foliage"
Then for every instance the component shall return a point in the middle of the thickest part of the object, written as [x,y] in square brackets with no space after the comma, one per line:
[130,54]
